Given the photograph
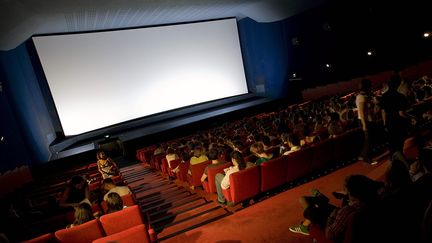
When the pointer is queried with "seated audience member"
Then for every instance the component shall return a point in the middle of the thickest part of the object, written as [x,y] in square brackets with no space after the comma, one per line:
[316,210]
[76,191]
[106,166]
[236,145]
[398,202]
[423,185]
[363,194]
[170,156]
[258,150]
[293,143]
[335,127]
[285,145]
[266,142]
[83,213]
[222,180]
[184,159]
[109,186]
[350,122]
[114,202]
[397,178]
[198,156]
[159,150]
[214,157]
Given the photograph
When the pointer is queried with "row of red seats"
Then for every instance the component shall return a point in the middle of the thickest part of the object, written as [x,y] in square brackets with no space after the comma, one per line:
[274,173]
[126,225]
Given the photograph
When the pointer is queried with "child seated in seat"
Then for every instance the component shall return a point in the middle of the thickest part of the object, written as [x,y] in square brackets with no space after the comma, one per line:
[83,213]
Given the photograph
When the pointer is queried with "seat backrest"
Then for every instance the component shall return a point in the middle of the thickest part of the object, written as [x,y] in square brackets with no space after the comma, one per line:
[273,173]
[174,164]
[164,166]
[134,234]
[197,170]
[124,219]
[95,186]
[299,163]
[83,233]
[183,171]
[45,238]
[318,234]
[157,161]
[211,173]
[245,184]
[321,157]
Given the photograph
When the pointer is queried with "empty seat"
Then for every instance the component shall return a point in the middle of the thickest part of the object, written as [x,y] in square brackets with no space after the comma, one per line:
[83,233]
[244,184]
[132,235]
[124,219]
[322,155]
[348,145]
[273,173]
[299,164]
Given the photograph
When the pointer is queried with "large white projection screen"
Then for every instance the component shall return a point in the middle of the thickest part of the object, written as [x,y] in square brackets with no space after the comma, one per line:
[105,78]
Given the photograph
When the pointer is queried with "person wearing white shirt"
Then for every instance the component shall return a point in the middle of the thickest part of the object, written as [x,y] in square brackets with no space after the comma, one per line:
[222,181]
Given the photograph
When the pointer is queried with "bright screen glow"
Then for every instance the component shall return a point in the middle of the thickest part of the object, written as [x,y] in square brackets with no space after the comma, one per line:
[105,78]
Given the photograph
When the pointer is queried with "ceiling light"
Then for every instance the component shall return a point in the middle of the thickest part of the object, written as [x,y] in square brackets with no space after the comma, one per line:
[369,53]
[328,65]
[426,34]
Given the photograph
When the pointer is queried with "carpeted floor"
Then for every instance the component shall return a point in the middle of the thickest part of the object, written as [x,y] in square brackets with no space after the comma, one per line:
[269,219]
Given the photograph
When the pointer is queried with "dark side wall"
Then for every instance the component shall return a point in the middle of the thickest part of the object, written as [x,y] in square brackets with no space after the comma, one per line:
[30,120]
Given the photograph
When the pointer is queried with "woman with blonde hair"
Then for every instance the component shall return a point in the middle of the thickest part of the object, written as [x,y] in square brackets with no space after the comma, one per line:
[106,166]
[83,213]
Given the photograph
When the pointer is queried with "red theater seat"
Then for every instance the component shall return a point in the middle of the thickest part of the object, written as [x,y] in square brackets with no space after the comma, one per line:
[156,161]
[83,233]
[94,186]
[174,164]
[124,219]
[273,173]
[348,145]
[318,234]
[132,235]
[46,238]
[183,171]
[299,164]
[164,167]
[197,170]
[410,149]
[209,185]
[244,184]
[322,154]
